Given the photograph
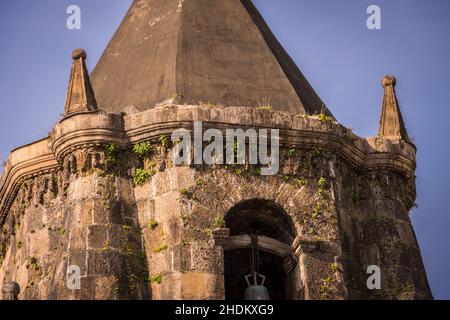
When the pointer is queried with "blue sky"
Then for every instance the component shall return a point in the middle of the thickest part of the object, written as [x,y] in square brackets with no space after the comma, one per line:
[328,39]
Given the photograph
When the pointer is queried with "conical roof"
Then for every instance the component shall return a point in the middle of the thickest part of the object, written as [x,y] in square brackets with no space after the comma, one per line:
[217,52]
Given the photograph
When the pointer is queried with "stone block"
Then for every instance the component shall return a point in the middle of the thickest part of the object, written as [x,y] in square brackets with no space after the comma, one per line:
[181,261]
[105,263]
[202,286]
[371,254]
[98,236]
[39,243]
[170,287]
[206,257]
[78,236]
[105,288]
[167,206]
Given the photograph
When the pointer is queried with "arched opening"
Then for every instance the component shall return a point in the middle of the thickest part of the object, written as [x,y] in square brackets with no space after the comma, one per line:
[274,230]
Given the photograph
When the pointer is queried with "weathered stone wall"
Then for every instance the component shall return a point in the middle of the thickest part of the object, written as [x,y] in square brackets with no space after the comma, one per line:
[77,216]
[141,228]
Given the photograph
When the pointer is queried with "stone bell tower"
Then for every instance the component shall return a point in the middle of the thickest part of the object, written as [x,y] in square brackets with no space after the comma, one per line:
[99,210]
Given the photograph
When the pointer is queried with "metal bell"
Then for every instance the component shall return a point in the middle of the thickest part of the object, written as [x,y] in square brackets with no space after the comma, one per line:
[256,291]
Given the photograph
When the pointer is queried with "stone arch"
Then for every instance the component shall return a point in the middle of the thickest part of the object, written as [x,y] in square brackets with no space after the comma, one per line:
[286,197]
[276,232]
[261,213]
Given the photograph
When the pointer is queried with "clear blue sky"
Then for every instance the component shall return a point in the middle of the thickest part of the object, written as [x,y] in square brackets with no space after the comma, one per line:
[330,42]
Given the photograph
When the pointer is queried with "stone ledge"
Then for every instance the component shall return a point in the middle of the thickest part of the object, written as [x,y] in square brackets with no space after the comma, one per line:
[97,128]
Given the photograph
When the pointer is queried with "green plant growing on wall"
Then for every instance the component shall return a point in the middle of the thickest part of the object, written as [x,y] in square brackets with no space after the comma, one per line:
[176,96]
[265,104]
[142,149]
[185,192]
[235,147]
[106,245]
[160,248]
[317,152]
[152,224]
[257,172]
[141,176]
[300,182]
[291,152]
[128,251]
[152,165]
[208,232]
[266,108]
[32,262]
[324,118]
[185,242]
[156,279]
[324,289]
[142,258]
[238,172]
[328,280]
[126,228]
[133,281]
[186,218]
[305,163]
[322,182]
[111,154]
[316,211]
[333,267]
[165,142]
[219,222]
[316,155]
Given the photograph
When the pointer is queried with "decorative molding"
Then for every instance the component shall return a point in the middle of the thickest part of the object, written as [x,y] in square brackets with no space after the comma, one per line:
[94,129]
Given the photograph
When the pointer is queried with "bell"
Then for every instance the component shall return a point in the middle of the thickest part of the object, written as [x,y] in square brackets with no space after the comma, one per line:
[256,291]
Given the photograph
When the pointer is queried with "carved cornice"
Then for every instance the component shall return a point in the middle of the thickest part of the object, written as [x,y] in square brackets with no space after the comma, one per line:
[90,129]
[24,163]
[86,130]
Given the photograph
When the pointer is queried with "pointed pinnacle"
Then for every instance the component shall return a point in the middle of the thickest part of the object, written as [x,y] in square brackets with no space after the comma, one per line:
[80,96]
[391,121]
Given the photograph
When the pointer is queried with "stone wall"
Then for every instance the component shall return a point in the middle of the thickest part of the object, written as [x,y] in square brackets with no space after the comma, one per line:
[140,227]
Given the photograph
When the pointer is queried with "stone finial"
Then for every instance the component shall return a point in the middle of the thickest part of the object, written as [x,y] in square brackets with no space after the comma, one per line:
[80,96]
[388,80]
[10,291]
[391,122]
[79,54]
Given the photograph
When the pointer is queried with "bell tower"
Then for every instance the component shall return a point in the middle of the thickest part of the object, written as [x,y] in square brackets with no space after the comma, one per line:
[103,195]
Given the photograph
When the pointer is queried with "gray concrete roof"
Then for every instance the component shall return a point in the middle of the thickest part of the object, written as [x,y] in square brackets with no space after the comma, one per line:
[199,51]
